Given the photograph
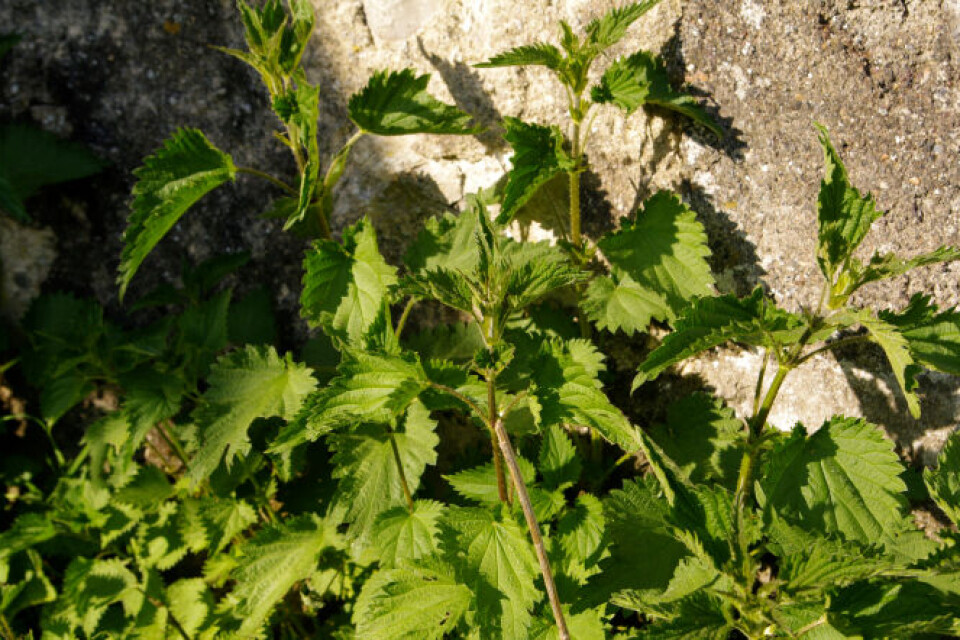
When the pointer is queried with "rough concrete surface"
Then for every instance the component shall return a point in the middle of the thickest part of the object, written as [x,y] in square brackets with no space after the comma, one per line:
[882,75]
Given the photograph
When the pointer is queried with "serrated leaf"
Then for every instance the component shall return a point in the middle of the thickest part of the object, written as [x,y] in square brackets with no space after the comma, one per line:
[895,346]
[933,338]
[345,284]
[698,617]
[581,530]
[245,385]
[538,156]
[713,321]
[568,392]
[411,603]
[397,103]
[617,302]
[582,626]
[500,568]
[27,530]
[366,467]
[704,438]
[664,250]
[190,601]
[171,181]
[844,479]
[31,159]
[62,394]
[270,564]
[943,482]
[24,586]
[608,30]
[891,610]
[538,53]
[402,535]
[641,79]
[887,265]
[448,242]
[211,524]
[480,483]
[558,462]
[844,216]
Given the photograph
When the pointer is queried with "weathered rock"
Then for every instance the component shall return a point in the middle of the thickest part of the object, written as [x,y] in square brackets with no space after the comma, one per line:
[883,76]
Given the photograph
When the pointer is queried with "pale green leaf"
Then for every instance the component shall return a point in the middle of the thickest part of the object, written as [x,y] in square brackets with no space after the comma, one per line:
[270,564]
[411,603]
[480,483]
[538,156]
[402,535]
[169,182]
[894,610]
[844,479]
[448,242]
[27,530]
[397,103]
[617,302]
[582,626]
[366,467]
[608,30]
[664,250]
[245,385]
[933,338]
[887,265]
[538,53]
[558,462]
[190,601]
[701,616]
[581,530]
[345,284]
[714,321]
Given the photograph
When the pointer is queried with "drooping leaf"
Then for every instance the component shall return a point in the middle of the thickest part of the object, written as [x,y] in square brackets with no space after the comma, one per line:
[844,215]
[344,285]
[609,29]
[538,53]
[844,479]
[499,566]
[663,251]
[366,467]
[538,156]
[641,79]
[270,564]
[397,103]
[943,482]
[416,602]
[401,535]
[713,321]
[171,181]
[245,385]
[31,159]
[933,338]
[568,392]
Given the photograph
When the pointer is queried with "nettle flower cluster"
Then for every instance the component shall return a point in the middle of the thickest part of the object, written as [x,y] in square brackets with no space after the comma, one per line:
[468,480]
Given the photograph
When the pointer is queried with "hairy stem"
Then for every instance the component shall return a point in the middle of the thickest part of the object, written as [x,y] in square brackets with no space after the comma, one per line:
[533,526]
[402,322]
[748,465]
[842,342]
[403,474]
[495,436]
[269,178]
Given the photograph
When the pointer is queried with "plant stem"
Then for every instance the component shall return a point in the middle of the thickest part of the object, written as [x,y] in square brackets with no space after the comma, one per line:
[464,399]
[174,444]
[403,475]
[748,464]
[402,322]
[533,526]
[842,342]
[495,436]
[269,178]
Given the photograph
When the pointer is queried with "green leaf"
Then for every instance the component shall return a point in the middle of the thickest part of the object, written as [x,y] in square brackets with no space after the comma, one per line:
[190,601]
[887,265]
[251,320]
[345,285]
[26,531]
[581,530]
[659,263]
[608,30]
[704,438]
[448,242]
[25,585]
[500,568]
[641,79]
[891,610]
[366,467]
[943,482]
[411,603]
[31,159]
[558,463]
[62,394]
[538,156]
[895,346]
[211,524]
[711,322]
[538,53]
[933,338]
[245,385]
[169,182]
[701,616]
[270,564]
[402,535]
[844,479]
[568,391]
[480,483]
[582,626]
[844,215]
[397,103]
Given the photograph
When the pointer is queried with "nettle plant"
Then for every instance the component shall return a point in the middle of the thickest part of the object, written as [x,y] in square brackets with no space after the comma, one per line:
[743,529]
[433,484]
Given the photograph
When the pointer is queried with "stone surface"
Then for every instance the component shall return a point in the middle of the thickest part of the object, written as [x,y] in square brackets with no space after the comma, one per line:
[883,76]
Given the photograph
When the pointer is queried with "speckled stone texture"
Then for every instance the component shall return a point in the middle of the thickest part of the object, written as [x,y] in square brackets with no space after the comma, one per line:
[883,76]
